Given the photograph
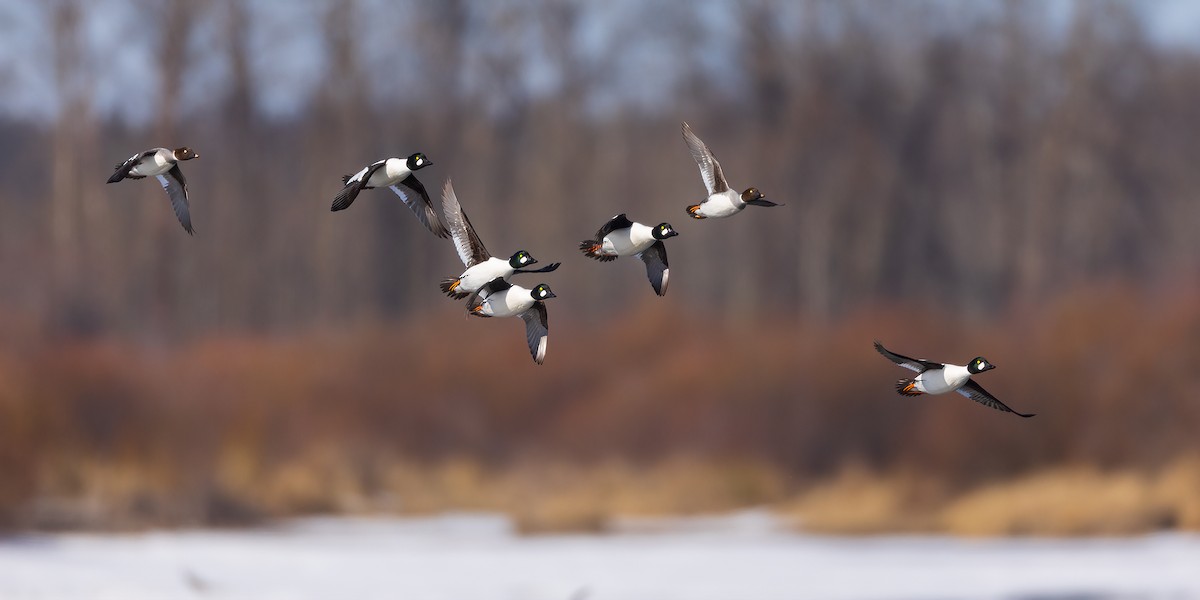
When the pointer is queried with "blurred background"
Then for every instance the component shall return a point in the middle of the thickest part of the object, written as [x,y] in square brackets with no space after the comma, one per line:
[1013,179]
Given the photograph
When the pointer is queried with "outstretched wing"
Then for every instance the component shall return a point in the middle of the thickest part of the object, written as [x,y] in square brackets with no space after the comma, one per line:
[470,248]
[176,186]
[122,170]
[710,169]
[919,365]
[545,269]
[618,222]
[655,258]
[537,329]
[974,391]
[417,200]
[353,185]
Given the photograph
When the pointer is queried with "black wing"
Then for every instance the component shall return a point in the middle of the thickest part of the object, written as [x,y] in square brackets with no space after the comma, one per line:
[176,186]
[545,269]
[762,202]
[346,197]
[470,248]
[537,329]
[420,205]
[919,365]
[974,391]
[496,285]
[710,169]
[655,258]
[618,222]
[122,170]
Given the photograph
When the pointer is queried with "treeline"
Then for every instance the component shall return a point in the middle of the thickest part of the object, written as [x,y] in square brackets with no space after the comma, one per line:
[960,158]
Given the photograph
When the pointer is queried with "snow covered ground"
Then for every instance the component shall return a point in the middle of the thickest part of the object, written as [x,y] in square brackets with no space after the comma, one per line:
[473,557]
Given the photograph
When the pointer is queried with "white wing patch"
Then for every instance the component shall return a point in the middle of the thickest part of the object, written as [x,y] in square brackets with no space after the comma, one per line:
[457,225]
[666,276]
[541,351]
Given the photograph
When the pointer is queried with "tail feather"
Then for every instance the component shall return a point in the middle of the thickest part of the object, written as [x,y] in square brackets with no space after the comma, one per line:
[907,387]
[449,286]
[591,249]
[475,306]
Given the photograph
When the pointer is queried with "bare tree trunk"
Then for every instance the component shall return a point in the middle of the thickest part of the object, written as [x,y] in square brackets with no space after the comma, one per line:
[73,142]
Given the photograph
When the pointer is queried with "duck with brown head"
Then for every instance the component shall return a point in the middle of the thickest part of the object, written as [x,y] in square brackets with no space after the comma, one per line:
[721,201]
[162,164]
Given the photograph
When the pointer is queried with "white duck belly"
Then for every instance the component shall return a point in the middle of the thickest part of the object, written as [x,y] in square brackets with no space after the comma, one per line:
[155,164]
[393,171]
[940,381]
[627,242]
[722,204]
[508,303]
[477,276]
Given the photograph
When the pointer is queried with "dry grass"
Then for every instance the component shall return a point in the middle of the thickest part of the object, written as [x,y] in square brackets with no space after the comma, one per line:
[1074,501]
[860,502]
[1063,501]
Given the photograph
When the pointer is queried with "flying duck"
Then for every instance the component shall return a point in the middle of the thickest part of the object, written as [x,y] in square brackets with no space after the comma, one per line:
[721,201]
[622,237]
[164,165]
[938,378]
[399,174]
[499,298]
[482,267]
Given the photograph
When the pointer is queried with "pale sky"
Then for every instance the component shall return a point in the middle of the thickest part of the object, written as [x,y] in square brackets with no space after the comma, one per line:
[288,65]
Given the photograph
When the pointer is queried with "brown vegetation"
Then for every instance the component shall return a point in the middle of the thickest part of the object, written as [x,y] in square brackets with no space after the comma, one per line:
[400,419]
